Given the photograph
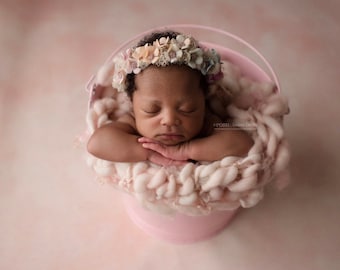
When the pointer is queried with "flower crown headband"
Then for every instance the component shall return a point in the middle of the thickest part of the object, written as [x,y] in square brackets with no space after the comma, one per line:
[182,50]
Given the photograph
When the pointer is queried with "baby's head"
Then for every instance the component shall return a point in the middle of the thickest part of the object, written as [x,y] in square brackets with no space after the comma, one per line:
[169,56]
[167,76]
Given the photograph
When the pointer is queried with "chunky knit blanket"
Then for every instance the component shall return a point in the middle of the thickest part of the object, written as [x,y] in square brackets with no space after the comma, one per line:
[226,184]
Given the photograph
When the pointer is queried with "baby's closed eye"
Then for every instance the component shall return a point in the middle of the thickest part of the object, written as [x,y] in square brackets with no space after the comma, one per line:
[152,109]
[187,109]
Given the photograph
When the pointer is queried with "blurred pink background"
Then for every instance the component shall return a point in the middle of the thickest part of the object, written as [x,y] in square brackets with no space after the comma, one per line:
[54,215]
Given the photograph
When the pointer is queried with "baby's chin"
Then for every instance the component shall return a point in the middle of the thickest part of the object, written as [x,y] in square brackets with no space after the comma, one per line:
[170,140]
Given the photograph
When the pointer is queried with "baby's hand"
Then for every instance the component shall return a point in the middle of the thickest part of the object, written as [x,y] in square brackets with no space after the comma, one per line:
[174,152]
[157,158]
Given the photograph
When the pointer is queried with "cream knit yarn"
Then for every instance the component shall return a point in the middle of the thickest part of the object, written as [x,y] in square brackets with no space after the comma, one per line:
[226,184]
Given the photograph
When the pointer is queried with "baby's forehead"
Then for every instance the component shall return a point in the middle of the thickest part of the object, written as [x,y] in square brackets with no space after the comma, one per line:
[161,99]
[181,72]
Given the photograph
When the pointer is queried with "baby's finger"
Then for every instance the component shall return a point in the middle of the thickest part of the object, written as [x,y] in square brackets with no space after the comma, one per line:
[154,147]
[163,161]
[145,140]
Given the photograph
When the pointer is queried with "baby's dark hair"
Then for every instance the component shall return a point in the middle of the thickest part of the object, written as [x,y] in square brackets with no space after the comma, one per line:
[149,39]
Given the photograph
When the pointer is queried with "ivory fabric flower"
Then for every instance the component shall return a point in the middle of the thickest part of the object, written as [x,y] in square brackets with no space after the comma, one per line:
[183,41]
[174,53]
[196,58]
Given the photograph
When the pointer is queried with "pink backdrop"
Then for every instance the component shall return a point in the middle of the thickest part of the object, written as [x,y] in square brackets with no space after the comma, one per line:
[54,215]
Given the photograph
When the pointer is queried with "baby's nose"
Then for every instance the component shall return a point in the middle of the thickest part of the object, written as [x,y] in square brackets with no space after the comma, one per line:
[169,118]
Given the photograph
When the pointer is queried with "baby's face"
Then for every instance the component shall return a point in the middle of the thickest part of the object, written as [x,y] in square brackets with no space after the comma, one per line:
[168,104]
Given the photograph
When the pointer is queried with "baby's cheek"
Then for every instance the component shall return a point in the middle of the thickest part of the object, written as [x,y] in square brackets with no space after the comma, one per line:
[144,128]
[195,126]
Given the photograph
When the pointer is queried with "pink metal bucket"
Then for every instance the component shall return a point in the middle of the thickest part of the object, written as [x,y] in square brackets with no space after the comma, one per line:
[180,228]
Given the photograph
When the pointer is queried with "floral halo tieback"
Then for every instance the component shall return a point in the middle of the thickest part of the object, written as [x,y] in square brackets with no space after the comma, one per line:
[182,50]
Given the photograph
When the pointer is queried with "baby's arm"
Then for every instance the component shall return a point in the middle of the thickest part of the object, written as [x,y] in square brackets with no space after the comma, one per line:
[118,142]
[220,144]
